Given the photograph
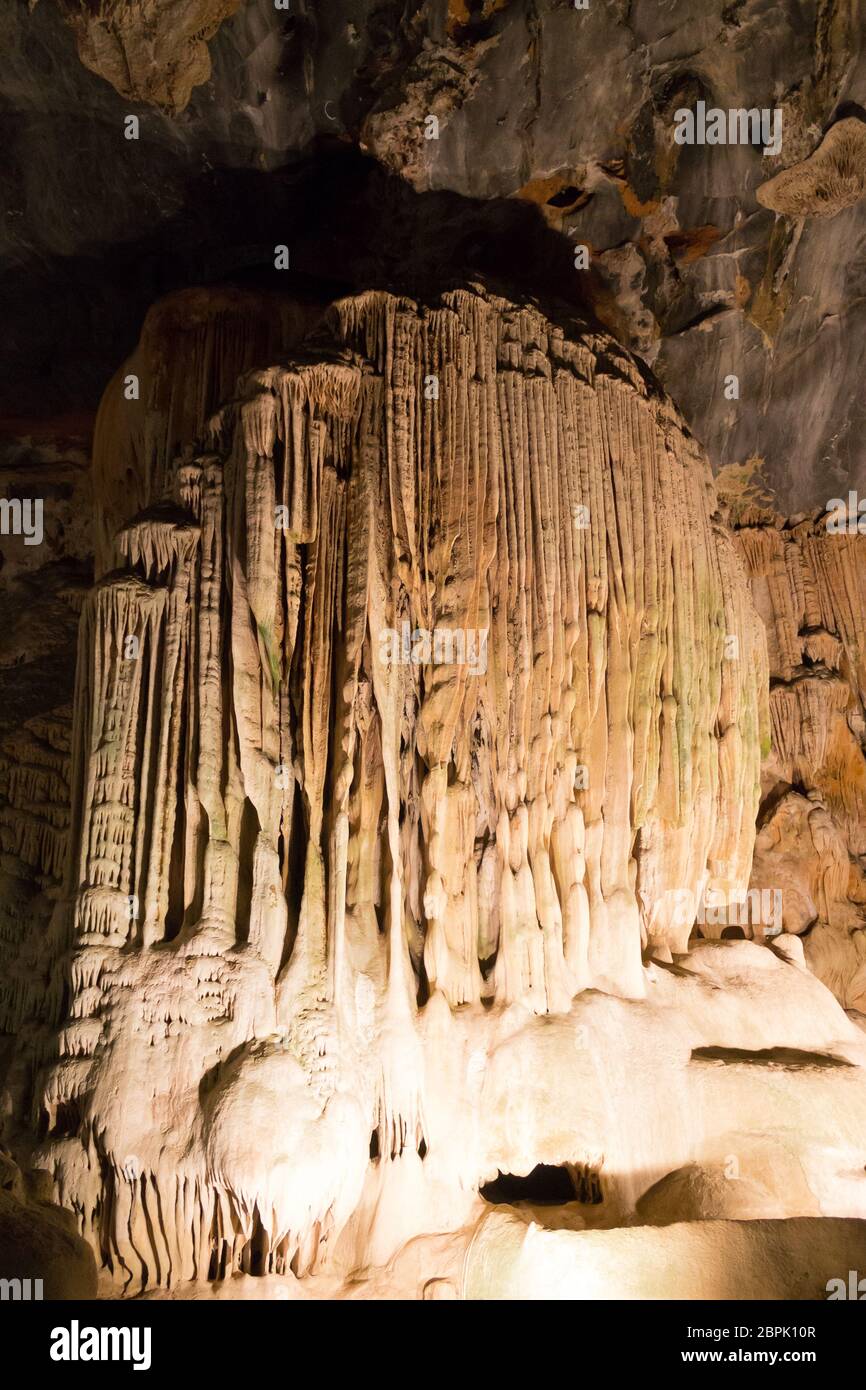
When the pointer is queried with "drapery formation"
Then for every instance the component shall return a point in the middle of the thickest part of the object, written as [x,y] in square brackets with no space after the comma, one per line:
[432,675]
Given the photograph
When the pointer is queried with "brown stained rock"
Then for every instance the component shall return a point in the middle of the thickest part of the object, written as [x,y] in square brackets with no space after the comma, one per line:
[556,195]
[462,15]
[153,51]
[693,243]
[831,179]
[39,1242]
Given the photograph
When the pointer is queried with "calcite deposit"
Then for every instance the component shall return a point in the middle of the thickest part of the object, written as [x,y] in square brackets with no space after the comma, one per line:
[423,687]
[830,180]
[432,766]
[808,583]
[150,51]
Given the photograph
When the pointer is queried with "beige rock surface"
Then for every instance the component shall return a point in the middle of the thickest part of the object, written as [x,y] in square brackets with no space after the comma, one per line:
[809,585]
[321,965]
[830,180]
[363,925]
[150,50]
[696,1260]
[194,345]
[38,1241]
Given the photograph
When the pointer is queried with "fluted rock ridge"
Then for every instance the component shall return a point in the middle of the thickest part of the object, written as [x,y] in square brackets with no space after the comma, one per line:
[808,579]
[435,683]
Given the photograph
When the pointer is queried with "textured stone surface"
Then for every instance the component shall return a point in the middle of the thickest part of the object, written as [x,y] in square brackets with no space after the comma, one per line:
[38,1241]
[152,51]
[320,891]
[193,348]
[830,180]
[808,584]
[764,1260]
[685,262]
[312,953]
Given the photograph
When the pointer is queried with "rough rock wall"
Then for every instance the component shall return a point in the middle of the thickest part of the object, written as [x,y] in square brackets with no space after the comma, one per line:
[193,347]
[42,588]
[417,693]
[354,820]
[689,265]
[809,585]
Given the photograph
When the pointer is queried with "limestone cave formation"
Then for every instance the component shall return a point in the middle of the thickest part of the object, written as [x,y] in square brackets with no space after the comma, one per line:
[433,718]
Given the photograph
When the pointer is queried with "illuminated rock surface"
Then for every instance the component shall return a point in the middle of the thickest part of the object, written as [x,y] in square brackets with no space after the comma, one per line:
[809,585]
[830,180]
[374,889]
[352,926]
[151,51]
